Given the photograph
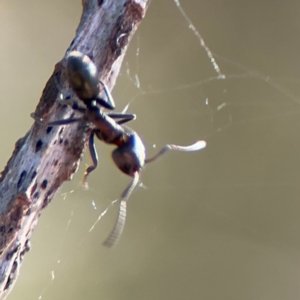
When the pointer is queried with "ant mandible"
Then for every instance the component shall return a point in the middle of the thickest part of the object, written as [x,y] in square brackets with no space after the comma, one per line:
[129,156]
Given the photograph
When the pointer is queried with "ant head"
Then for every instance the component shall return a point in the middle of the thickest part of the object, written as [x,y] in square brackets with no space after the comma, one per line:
[82,76]
[130,157]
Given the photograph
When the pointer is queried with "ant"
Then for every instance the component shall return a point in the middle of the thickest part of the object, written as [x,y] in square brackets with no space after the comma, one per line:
[129,154]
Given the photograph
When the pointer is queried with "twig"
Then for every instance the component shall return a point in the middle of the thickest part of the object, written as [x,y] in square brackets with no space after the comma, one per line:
[47,156]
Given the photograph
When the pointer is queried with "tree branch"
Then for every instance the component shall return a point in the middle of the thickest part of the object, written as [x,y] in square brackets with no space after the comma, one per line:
[47,156]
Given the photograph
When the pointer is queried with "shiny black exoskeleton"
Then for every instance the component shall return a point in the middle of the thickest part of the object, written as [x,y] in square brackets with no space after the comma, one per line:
[83,78]
[129,154]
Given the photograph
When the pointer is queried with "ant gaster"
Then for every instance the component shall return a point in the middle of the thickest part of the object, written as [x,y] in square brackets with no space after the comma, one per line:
[129,156]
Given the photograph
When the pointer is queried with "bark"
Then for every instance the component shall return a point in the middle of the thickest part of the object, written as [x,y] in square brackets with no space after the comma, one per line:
[47,156]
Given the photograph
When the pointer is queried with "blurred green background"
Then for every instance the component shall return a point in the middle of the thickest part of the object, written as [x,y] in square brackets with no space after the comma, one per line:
[218,224]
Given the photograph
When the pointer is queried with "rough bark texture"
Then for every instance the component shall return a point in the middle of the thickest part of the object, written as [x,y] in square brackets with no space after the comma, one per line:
[47,156]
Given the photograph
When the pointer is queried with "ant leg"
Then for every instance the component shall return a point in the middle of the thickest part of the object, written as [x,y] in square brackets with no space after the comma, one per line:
[110,103]
[124,117]
[94,157]
[104,103]
[194,147]
[54,123]
[120,223]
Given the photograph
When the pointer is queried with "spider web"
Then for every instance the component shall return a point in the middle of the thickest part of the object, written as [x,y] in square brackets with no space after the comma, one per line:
[226,216]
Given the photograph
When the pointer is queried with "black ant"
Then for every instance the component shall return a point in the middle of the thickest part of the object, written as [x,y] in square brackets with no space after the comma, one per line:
[129,156]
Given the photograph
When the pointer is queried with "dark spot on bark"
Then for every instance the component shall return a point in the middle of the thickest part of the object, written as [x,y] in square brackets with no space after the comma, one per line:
[8,283]
[60,140]
[21,179]
[44,184]
[33,175]
[49,129]
[2,229]
[66,142]
[55,163]
[38,145]
[36,195]
[61,131]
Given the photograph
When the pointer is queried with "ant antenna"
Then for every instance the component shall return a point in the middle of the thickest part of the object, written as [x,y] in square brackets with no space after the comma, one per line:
[120,223]
[194,147]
